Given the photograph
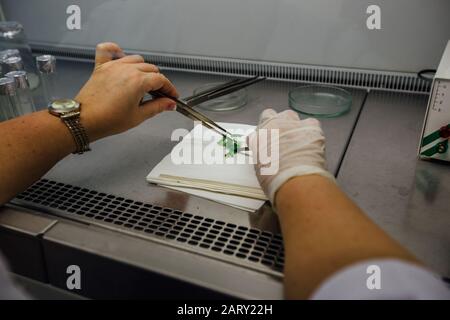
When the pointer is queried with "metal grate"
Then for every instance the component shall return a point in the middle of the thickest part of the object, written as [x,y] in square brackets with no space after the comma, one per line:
[347,77]
[254,248]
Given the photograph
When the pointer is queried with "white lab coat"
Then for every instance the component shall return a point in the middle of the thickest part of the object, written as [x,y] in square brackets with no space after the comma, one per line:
[8,290]
[397,280]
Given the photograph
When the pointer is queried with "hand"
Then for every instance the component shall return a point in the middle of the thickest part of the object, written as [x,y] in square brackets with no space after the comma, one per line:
[301,149]
[110,98]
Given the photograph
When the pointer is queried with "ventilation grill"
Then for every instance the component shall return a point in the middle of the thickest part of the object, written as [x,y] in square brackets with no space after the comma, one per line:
[254,248]
[367,79]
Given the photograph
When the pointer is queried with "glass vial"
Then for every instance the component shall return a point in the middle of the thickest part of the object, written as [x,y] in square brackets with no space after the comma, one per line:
[13,64]
[8,99]
[24,97]
[5,54]
[46,65]
[12,36]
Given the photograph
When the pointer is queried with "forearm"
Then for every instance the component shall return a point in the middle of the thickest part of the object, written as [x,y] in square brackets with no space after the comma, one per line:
[325,231]
[110,104]
[31,145]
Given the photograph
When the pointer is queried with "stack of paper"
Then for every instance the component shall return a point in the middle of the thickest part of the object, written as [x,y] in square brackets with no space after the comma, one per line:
[198,165]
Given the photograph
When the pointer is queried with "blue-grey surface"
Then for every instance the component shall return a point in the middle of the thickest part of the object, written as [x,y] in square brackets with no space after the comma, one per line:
[407,197]
[119,164]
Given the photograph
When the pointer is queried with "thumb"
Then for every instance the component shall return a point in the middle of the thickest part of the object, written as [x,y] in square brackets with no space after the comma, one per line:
[107,51]
[155,106]
[266,115]
[289,115]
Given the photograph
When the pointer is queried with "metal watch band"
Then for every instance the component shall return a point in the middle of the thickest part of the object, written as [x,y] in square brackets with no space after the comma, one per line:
[72,121]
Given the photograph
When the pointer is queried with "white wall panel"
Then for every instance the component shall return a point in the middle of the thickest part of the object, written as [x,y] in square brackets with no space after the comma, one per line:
[320,32]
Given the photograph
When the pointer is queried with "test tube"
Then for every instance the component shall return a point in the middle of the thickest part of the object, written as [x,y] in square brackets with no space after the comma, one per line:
[5,54]
[8,99]
[12,36]
[46,65]
[24,97]
[13,64]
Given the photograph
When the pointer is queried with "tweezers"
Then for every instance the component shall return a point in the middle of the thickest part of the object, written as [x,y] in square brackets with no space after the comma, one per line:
[188,111]
[185,106]
[221,90]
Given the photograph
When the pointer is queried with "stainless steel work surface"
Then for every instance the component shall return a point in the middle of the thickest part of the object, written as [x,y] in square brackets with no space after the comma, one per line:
[69,239]
[407,197]
[20,231]
[107,188]
[119,164]
[380,171]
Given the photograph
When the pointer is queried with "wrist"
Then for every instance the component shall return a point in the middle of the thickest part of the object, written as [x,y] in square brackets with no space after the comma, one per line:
[62,137]
[69,112]
[298,188]
[298,171]
[93,130]
[93,121]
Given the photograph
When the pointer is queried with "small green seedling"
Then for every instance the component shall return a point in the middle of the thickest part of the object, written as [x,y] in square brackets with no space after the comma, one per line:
[231,145]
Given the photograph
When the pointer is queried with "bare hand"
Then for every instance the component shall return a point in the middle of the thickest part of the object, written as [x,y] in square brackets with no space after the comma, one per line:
[110,98]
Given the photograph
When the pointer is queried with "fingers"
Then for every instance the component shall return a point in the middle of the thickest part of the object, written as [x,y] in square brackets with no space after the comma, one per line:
[288,115]
[107,51]
[153,107]
[266,115]
[134,58]
[146,67]
[139,63]
[153,80]
[285,115]
[269,118]
[310,122]
[157,81]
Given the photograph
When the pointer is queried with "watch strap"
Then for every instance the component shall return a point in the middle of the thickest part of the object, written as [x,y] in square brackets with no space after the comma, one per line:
[72,121]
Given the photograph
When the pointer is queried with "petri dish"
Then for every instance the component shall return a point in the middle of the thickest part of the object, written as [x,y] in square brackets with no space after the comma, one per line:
[320,101]
[232,101]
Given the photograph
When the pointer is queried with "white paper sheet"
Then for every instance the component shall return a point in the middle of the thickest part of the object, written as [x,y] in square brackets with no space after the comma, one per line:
[234,170]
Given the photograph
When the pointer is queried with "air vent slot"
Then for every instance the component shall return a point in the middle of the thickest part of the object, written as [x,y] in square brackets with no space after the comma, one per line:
[346,77]
[254,248]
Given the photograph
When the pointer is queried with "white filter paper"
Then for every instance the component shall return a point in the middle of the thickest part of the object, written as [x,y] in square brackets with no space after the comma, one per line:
[200,156]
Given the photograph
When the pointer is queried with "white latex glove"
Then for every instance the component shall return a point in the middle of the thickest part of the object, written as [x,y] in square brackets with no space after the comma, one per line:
[301,149]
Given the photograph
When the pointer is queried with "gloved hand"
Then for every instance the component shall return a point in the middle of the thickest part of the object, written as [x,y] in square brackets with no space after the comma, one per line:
[300,145]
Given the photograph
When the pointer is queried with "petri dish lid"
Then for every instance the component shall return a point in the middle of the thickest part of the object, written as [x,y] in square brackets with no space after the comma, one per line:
[320,101]
[231,101]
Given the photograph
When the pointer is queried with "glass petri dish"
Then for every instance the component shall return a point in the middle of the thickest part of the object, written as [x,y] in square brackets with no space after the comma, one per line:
[232,101]
[320,101]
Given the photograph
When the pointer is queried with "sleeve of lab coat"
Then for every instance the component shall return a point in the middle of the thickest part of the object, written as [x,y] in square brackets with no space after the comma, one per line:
[8,290]
[383,279]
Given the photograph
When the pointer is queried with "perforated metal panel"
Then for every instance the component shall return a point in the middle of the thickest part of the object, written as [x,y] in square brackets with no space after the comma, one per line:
[346,77]
[249,247]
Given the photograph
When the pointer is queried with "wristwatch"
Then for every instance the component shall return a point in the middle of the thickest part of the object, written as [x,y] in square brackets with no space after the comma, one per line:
[68,111]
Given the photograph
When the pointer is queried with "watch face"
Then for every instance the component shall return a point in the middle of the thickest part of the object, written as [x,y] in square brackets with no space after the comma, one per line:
[64,106]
